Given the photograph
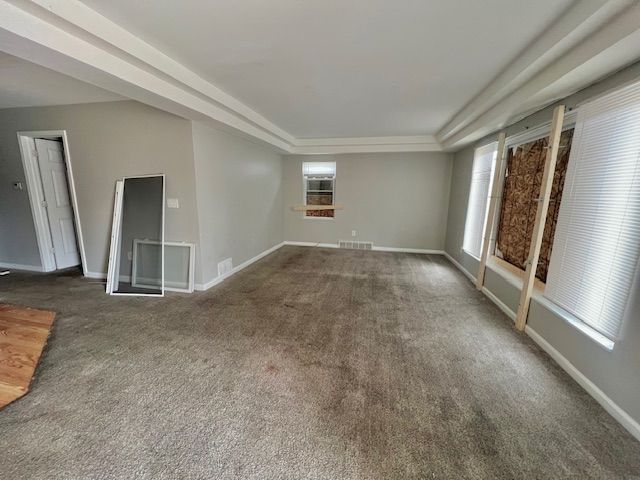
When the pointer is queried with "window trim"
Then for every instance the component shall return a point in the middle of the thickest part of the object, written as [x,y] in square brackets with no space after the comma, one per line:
[481,150]
[584,120]
[515,140]
[540,131]
[511,275]
[305,179]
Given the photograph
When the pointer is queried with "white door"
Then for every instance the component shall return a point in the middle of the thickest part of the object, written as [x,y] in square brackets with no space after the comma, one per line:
[58,203]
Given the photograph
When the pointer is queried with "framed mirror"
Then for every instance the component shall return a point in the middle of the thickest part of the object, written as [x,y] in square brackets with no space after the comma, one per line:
[138,217]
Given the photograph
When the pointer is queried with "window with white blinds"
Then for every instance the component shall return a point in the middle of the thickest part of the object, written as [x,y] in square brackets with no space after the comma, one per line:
[597,239]
[319,187]
[483,163]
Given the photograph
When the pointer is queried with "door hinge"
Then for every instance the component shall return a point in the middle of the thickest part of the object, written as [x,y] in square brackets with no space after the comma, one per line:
[44,203]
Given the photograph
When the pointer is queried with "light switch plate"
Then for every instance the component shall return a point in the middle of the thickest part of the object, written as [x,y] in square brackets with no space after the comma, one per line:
[173,203]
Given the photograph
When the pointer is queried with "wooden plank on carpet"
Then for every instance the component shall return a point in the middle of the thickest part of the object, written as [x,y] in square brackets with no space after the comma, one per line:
[23,335]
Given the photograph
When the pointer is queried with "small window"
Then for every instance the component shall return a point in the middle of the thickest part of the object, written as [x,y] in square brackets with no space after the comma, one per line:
[319,187]
[483,164]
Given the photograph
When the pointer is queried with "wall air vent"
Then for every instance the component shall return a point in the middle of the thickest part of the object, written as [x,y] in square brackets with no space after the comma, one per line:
[355,245]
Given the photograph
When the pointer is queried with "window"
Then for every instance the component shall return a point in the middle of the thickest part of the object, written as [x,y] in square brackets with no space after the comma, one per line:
[597,240]
[523,177]
[319,187]
[483,165]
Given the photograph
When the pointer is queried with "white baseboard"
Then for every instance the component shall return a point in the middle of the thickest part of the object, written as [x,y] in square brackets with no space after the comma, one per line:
[19,266]
[500,304]
[98,275]
[217,280]
[609,405]
[220,278]
[409,250]
[460,267]
[310,244]
[379,249]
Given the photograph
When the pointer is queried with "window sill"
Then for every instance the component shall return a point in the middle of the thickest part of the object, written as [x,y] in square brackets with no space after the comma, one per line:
[538,295]
[318,218]
[512,275]
[470,254]
[576,323]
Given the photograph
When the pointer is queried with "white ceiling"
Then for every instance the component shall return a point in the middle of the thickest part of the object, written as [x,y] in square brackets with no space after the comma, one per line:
[336,68]
[25,84]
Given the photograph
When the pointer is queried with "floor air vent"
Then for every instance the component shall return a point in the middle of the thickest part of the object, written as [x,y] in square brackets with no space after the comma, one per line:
[355,245]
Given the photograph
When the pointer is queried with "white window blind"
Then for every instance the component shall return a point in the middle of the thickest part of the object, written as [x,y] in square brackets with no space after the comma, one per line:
[483,165]
[597,239]
[325,169]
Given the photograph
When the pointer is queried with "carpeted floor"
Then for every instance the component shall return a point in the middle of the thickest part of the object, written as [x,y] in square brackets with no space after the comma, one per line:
[310,364]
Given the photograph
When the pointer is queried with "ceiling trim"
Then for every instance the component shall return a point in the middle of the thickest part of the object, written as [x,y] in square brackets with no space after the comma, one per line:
[100,27]
[585,30]
[69,37]
[416,143]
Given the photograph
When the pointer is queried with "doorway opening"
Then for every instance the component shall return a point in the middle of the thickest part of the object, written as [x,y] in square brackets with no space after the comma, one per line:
[51,189]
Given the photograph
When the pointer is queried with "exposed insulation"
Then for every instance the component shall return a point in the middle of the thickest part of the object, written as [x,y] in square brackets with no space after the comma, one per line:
[524,172]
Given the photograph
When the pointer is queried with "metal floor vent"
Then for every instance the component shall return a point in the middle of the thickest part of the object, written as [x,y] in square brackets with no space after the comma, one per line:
[355,245]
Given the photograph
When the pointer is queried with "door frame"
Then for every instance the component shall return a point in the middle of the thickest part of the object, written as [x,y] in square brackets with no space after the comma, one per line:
[26,141]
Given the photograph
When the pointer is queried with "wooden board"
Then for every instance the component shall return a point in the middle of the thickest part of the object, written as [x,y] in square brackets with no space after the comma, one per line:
[541,216]
[23,335]
[304,208]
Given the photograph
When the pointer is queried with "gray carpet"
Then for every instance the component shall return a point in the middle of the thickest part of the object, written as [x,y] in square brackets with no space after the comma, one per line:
[310,364]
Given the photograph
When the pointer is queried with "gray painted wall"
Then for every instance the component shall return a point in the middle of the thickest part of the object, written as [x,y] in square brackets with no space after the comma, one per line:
[392,199]
[614,372]
[106,141]
[238,186]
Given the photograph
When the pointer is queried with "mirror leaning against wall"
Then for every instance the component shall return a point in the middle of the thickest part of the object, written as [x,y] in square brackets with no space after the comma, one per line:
[136,255]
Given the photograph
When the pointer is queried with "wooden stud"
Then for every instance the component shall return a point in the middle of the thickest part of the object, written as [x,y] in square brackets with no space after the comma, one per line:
[305,208]
[494,207]
[541,217]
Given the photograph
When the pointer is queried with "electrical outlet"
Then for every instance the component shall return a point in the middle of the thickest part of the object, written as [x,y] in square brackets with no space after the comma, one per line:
[173,203]
[353,233]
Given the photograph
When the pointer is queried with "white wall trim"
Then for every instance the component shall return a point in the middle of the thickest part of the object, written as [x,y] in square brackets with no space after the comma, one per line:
[609,405]
[311,244]
[97,275]
[375,248]
[350,141]
[575,50]
[52,33]
[460,267]
[499,303]
[588,40]
[423,251]
[36,195]
[19,266]
[221,278]
[320,146]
